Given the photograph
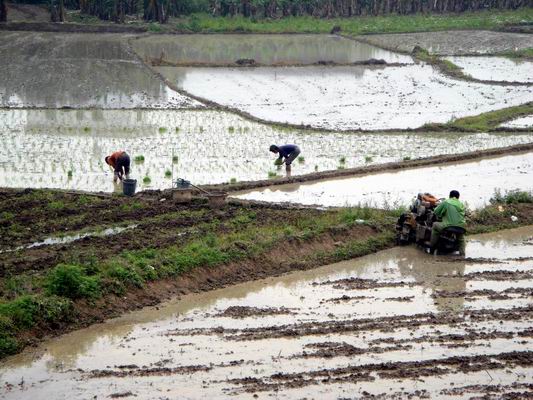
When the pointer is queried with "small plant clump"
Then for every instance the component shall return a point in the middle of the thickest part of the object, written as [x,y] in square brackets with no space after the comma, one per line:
[272,174]
[511,197]
[168,173]
[69,173]
[342,160]
[139,159]
[316,168]
[146,180]
[406,158]
[163,130]
[87,129]
[368,159]
[231,129]
[177,129]
[175,159]
[301,159]
[233,181]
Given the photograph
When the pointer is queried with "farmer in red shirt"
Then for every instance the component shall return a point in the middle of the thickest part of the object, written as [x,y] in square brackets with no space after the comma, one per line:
[119,161]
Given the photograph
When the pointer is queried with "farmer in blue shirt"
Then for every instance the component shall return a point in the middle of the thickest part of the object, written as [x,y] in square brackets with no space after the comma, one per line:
[287,154]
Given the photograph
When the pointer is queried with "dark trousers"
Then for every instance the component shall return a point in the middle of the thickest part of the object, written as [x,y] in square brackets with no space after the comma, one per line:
[292,156]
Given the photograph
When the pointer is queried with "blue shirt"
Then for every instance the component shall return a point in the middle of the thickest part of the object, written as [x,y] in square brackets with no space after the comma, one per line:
[286,149]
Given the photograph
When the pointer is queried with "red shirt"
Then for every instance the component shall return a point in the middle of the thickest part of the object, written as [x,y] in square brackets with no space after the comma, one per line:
[112,160]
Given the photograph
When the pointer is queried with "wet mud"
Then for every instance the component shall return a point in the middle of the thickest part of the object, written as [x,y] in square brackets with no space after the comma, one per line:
[288,337]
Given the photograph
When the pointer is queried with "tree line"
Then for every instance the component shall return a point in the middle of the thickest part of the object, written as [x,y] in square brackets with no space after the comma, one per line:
[350,8]
[160,10]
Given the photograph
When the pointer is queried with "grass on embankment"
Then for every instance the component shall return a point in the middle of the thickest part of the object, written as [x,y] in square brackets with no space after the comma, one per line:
[34,304]
[492,19]
[485,122]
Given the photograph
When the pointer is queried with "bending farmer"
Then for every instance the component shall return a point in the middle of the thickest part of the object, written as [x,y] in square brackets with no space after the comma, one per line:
[289,152]
[452,213]
[119,162]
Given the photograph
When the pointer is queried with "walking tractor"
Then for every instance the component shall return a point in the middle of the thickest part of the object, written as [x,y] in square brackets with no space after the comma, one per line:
[415,226]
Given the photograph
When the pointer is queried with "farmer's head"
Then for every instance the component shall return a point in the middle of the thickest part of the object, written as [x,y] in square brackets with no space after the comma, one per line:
[454,193]
[107,160]
[274,148]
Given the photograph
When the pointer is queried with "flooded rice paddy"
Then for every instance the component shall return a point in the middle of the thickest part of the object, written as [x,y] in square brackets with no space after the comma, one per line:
[476,181]
[495,68]
[263,49]
[53,70]
[66,148]
[395,324]
[522,123]
[454,42]
[346,98]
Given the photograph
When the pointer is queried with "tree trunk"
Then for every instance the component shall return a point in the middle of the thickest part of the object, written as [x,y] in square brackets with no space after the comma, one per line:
[3,11]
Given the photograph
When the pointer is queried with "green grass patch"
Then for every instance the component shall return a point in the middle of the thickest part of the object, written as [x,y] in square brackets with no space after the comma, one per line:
[492,119]
[139,159]
[511,197]
[523,54]
[71,281]
[490,19]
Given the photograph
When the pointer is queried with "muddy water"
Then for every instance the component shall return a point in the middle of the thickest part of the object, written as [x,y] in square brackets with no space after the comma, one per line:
[39,147]
[399,306]
[264,49]
[78,71]
[476,181]
[346,98]
[495,68]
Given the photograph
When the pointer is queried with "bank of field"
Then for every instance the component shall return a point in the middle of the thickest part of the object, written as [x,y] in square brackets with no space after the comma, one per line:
[62,267]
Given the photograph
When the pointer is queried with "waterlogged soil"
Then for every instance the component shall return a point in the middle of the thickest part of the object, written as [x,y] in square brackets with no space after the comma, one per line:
[522,123]
[345,97]
[395,324]
[278,50]
[495,68]
[476,181]
[52,70]
[453,42]
[40,147]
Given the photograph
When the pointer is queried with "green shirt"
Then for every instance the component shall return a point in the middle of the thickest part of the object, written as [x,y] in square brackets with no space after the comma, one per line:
[452,212]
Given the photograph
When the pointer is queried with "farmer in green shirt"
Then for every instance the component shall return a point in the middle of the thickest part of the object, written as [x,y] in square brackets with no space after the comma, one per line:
[452,213]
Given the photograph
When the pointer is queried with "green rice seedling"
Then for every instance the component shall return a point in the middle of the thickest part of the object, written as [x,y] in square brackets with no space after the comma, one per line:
[177,129]
[342,160]
[168,173]
[139,159]
[233,181]
[231,129]
[69,173]
[146,180]
[201,129]
[272,174]
[175,159]
[316,168]
[163,130]
[301,159]
[87,129]
[341,166]
[368,159]
[406,158]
